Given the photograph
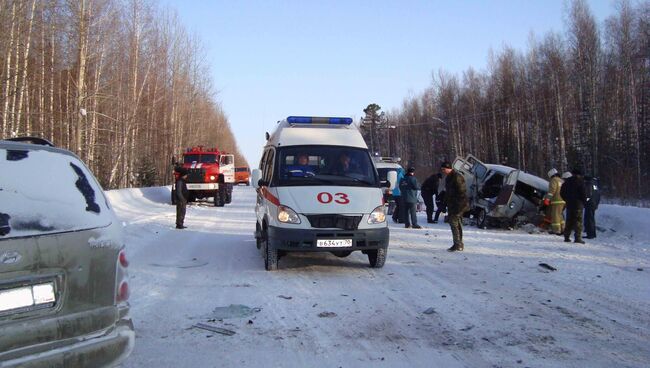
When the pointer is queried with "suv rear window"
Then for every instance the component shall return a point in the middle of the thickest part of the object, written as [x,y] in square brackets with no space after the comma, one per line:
[45,192]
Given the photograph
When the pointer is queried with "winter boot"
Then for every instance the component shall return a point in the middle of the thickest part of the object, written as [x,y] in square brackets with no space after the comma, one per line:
[455,248]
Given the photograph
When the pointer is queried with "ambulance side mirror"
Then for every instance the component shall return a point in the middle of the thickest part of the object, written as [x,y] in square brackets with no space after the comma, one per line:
[255,177]
[391,179]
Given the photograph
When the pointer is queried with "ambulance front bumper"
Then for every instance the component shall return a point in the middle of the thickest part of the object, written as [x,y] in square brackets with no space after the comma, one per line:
[307,240]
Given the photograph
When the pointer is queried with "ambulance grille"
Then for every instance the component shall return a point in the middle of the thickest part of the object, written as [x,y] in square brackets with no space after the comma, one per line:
[334,221]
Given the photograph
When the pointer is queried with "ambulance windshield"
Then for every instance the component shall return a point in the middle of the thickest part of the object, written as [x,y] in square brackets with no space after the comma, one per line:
[325,165]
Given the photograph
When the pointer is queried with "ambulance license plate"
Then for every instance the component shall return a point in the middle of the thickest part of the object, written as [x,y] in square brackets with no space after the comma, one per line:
[333,243]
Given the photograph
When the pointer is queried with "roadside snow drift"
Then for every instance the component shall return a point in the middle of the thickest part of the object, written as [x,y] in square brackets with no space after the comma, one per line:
[201,296]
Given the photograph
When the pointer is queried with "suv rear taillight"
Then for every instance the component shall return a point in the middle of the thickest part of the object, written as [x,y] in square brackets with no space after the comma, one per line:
[123,292]
[121,278]
[123,261]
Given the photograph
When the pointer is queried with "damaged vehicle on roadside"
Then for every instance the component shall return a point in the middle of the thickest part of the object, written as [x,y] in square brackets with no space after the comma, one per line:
[63,270]
[500,195]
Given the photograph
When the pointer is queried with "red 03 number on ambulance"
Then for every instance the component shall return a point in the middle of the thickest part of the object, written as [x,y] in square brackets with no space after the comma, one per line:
[325,198]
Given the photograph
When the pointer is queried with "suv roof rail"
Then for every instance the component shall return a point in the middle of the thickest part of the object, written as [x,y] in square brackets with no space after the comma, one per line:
[32,140]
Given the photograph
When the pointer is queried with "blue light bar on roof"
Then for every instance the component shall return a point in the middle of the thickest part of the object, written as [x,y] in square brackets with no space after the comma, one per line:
[318,120]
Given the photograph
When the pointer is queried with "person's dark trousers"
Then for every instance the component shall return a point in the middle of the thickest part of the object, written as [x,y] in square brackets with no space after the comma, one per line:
[573,222]
[590,221]
[456,224]
[180,212]
[410,214]
[428,202]
[397,217]
[441,208]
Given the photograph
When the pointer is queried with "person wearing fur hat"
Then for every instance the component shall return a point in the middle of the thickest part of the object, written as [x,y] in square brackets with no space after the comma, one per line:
[182,195]
[457,204]
[573,192]
[554,201]
[409,187]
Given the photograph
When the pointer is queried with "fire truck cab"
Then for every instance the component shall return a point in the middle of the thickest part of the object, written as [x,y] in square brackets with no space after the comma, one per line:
[210,173]
[318,191]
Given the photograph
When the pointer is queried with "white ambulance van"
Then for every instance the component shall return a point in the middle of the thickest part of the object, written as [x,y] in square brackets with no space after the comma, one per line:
[318,191]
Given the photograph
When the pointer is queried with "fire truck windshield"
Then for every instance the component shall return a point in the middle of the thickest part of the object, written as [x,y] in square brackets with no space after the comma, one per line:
[202,158]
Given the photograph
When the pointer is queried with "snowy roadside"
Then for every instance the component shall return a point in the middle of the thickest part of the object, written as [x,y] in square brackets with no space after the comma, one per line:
[492,305]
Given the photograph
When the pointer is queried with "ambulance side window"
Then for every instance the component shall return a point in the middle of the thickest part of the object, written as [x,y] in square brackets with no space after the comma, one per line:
[267,173]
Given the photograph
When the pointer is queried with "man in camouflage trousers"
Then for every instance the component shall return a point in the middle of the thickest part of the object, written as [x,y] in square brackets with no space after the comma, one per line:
[573,192]
[555,202]
[457,204]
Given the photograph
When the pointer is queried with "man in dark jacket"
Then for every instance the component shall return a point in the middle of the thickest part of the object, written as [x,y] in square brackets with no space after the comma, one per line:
[182,194]
[592,192]
[573,193]
[430,189]
[457,204]
[409,187]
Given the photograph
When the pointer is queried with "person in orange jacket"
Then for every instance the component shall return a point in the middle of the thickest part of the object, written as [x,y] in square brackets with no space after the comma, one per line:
[555,202]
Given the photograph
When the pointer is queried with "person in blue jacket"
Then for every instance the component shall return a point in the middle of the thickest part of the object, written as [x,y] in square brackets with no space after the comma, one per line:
[397,196]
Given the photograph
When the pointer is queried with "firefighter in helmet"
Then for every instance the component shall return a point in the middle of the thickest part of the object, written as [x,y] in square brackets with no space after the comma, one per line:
[555,201]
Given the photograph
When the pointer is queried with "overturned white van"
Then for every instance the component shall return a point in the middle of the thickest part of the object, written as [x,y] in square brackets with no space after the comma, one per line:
[501,195]
[318,190]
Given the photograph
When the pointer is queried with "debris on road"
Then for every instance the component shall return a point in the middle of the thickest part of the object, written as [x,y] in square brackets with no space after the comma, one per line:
[547,266]
[326,314]
[234,311]
[429,311]
[223,331]
[285,297]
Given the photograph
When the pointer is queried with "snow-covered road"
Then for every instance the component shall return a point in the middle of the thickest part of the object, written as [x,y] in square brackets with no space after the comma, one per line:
[490,306]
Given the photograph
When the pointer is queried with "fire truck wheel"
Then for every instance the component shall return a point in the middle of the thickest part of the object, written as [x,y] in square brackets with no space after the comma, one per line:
[228,196]
[173,197]
[218,201]
[377,258]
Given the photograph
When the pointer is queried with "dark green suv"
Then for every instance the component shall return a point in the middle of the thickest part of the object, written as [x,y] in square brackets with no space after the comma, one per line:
[63,270]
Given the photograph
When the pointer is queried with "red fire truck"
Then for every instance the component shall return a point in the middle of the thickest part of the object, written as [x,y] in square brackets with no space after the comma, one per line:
[210,173]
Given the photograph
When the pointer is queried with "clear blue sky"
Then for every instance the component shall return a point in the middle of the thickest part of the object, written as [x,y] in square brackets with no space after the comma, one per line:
[272,59]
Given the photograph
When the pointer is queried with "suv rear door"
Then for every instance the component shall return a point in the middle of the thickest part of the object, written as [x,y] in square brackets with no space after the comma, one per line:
[58,253]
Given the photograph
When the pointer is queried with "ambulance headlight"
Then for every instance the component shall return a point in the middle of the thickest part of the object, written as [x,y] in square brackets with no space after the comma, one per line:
[377,216]
[287,215]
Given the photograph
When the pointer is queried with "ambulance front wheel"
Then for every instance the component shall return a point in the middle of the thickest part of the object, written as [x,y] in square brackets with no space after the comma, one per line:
[377,257]
[270,253]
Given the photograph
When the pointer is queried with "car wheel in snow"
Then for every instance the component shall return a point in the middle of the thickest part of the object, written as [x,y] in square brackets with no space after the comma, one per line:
[258,235]
[342,254]
[481,218]
[377,258]
[270,254]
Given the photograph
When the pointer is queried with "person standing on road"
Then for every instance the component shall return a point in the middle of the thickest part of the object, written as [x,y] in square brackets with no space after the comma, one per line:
[592,192]
[441,204]
[397,197]
[457,204]
[573,192]
[182,195]
[430,189]
[409,187]
[555,202]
